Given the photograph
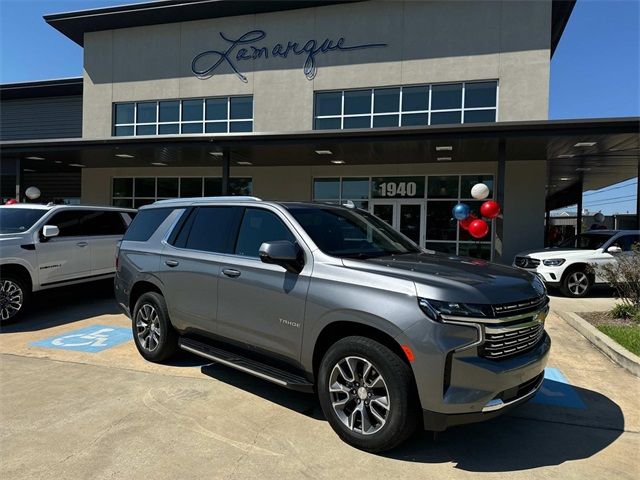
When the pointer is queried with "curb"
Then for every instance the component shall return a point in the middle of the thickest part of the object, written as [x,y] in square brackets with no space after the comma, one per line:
[609,347]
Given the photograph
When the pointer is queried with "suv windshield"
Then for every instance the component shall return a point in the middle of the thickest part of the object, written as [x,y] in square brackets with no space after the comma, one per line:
[350,233]
[587,241]
[17,220]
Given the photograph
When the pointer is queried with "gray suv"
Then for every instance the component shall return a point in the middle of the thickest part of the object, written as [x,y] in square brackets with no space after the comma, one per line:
[331,299]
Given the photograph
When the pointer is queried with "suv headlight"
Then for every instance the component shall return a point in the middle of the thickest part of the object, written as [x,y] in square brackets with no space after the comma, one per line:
[553,262]
[434,308]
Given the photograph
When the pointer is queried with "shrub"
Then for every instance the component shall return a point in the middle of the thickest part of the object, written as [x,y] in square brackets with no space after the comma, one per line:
[624,276]
[624,310]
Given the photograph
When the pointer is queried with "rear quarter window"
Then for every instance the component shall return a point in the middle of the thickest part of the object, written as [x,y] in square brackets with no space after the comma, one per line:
[145,224]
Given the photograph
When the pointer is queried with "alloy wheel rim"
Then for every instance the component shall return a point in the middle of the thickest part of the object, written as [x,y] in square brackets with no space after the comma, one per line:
[148,327]
[578,283]
[359,395]
[11,299]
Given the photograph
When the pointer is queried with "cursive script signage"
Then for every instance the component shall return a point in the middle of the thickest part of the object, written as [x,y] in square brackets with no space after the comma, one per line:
[245,48]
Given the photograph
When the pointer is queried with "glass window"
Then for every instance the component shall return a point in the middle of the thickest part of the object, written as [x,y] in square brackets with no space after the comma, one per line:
[326,189]
[241,108]
[386,100]
[480,94]
[169,129]
[328,124]
[99,223]
[240,186]
[191,128]
[213,229]
[328,103]
[259,226]
[443,187]
[191,187]
[476,250]
[141,202]
[212,187]
[146,130]
[124,112]
[216,127]
[355,188]
[124,131]
[145,187]
[192,110]
[440,224]
[443,118]
[216,109]
[628,243]
[146,223]
[386,121]
[478,116]
[445,97]
[415,98]
[69,222]
[170,111]
[448,248]
[167,187]
[18,220]
[123,187]
[413,119]
[240,126]
[357,122]
[357,101]
[468,181]
[122,202]
[146,112]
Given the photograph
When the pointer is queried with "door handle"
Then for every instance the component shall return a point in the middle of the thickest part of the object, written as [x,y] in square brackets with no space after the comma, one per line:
[171,263]
[230,272]
[82,244]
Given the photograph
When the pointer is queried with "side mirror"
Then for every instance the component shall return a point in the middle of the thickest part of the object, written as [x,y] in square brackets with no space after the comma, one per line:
[50,231]
[284,253]
[614,249]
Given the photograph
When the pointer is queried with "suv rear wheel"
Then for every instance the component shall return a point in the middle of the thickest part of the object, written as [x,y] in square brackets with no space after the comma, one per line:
[367,394]
[153,333]
[13,297]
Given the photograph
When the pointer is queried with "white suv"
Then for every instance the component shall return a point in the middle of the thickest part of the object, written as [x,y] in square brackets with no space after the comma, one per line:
[569,265]
[46,246]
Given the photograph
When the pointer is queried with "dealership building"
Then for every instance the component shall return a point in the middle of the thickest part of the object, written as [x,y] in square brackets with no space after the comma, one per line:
[398,106]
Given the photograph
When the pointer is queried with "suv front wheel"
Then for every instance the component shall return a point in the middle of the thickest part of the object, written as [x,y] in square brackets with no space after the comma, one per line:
[367,394]
[576,283]
[153,333]
[13,297]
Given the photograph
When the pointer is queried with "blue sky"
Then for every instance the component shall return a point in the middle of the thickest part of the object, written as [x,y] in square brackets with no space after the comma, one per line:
[595,71]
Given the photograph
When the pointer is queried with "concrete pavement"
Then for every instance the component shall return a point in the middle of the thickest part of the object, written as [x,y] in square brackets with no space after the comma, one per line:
[109,414]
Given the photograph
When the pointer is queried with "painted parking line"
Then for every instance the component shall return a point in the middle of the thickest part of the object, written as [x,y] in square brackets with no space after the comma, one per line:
[95,338]
[556,390]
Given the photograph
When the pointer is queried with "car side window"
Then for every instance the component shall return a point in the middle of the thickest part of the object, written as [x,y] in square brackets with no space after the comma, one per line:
[69,222]
[627,242]
[212,229]
[259,226]
[145,224]
[103,222]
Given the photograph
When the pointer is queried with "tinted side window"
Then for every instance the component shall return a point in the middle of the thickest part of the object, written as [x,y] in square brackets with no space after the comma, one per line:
[104,223]
[627,242]
[146,223]
[213,229]
[259,226]
[68,222]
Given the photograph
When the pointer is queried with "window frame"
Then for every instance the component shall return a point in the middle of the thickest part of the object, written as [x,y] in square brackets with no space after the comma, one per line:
[400,112]
[180,122]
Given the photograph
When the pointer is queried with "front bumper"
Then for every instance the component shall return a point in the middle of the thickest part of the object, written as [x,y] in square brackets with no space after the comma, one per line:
[458,383]
[549,275]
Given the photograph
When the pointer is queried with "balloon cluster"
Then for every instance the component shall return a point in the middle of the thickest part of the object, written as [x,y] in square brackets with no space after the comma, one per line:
[476,226]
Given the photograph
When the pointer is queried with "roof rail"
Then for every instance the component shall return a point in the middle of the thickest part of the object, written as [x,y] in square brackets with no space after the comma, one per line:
[238,198]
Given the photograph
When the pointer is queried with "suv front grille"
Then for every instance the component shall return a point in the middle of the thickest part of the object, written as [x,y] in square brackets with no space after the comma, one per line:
[501,343]
[516,308]
[527,262]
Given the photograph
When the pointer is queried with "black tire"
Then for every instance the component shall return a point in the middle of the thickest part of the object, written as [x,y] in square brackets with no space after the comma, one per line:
[10,282]
[576,282]
[401,417]
[160,346]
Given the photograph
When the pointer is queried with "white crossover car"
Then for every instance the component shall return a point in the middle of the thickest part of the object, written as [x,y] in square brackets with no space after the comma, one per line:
[46,246]
[568,266]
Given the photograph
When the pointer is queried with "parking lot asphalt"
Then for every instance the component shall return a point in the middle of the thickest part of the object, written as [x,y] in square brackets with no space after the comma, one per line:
[77,401]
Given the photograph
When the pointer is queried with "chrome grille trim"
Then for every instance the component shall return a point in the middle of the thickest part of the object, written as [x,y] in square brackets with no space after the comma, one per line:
[502,343]
[526,262]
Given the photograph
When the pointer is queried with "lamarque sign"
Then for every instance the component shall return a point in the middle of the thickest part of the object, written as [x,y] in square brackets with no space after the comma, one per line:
[244,48]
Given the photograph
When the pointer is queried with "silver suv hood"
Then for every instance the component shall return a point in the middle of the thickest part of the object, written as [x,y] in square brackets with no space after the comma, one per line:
[455,279]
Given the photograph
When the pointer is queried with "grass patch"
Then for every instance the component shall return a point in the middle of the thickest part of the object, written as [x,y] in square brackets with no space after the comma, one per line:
[626,335]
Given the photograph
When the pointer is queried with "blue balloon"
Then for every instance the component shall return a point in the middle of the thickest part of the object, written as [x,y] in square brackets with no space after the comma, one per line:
[461,211]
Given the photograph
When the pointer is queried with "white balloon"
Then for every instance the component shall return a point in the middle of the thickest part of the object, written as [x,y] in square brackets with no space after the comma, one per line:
[32,193]
[599,217]
[479,191]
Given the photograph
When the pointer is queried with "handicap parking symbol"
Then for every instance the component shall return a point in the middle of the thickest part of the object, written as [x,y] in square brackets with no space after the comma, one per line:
[90,339]
[557,391]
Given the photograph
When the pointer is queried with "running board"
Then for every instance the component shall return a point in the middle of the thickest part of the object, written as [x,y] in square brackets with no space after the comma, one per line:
[247,365]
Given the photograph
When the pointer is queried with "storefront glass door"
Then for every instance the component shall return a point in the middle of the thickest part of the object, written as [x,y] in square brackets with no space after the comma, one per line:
[406,216]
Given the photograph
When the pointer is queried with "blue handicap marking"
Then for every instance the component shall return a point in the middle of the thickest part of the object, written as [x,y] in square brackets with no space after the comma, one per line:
[90,339]
[556,390]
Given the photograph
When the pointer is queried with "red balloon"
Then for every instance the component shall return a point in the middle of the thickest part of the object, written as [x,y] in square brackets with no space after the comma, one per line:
[464,224]
[11,201]
[478,228]
[490,209]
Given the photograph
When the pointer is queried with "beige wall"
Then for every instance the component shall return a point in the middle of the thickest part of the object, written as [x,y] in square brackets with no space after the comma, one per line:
[428,42]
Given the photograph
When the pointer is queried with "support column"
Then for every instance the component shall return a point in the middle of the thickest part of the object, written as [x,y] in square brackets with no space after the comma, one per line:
[547,226]
[226,160]
[18,179]
[638,198]
[579,208]
[499,195]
